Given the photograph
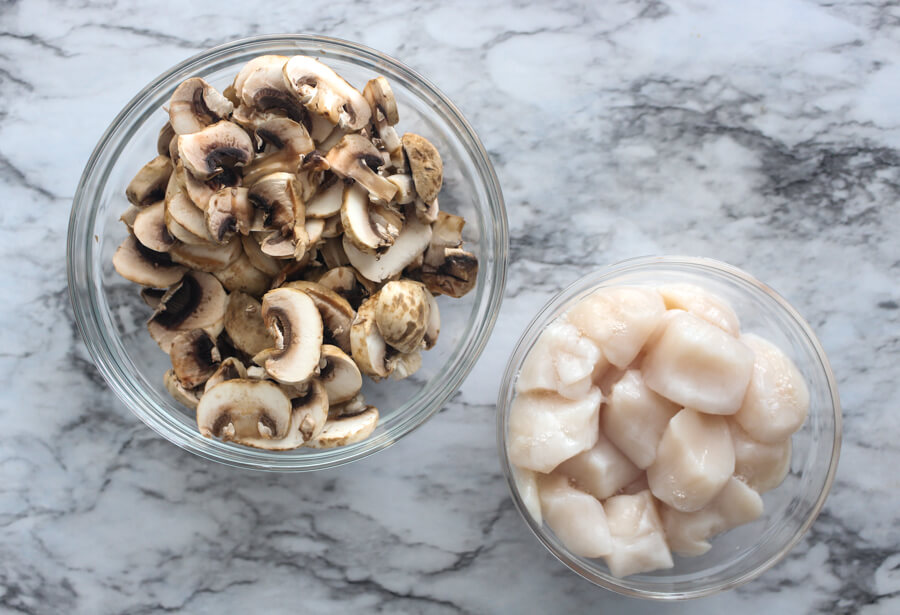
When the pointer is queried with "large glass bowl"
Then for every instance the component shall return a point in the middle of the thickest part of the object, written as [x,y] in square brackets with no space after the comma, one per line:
[747,551]
[111,316]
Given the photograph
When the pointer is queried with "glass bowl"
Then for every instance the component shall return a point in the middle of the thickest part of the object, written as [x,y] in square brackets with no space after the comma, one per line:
[745,552]
[111,316]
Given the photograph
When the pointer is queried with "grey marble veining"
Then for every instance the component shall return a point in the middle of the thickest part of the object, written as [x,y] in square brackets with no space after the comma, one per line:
[766,135]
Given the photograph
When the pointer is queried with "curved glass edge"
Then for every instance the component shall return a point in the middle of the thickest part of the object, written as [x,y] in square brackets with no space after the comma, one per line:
[588,283]
[81,276]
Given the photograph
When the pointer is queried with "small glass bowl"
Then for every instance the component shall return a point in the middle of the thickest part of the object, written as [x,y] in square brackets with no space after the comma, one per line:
[111,316]
[747,551]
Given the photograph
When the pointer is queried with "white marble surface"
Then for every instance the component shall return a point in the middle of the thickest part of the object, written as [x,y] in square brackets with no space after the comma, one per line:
[768,137]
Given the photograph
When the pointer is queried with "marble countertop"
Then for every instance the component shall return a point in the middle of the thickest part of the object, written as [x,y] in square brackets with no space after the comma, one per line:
[768,137]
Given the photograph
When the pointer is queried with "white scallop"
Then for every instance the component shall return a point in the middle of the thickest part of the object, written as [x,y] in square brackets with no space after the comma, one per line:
[575,517]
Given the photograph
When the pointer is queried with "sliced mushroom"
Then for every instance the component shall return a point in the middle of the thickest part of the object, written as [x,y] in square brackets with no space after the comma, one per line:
[152,296]
[406,191]
[314,228]
[150,228]
[339,374]
[214,149]
[166,134]
[323,92]
[278,245]
[195,357]
[198,301]
[141,265]
[181,213]
[327,201]
[455,276]
[208,257]
[425,165]
[294,321]
[355,157]
[342,280]
[229,211]
[195,105]
[347,429]
[263,93]
[332,140]
[184,396]
[381,101]
[265,263]
[332,252]
[242,276]
[359,227]
[276,195]
[446,233]
[321,127]
[433,325]
[333,227]
[278,162]
[354,405]
[409,244]
[404,365]
[283,133]
[337,314]
[402,313]
[244,324]
[427,212]
[229,369]
[129,215]
[368,347]
[149,184]
[201,191]
[244,409]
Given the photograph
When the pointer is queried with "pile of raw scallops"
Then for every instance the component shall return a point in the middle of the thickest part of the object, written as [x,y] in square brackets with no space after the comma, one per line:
[289,242]
[645,422]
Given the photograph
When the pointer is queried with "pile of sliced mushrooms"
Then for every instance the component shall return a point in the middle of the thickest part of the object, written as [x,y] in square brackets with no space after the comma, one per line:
[290,241]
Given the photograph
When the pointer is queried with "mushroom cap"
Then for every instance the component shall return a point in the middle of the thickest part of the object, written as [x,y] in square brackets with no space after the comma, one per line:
[150,228]
[206,257]
[244,324]
[195,105]
[293,319]
[229,369]
[242,276]
[340,375]
[413,239]
[367,345]
[217,147]
[401,313]
[337,313]
[195,357]
[455,276]
[184,396]
[324,92]
[198,301]
[242,409]
[347,429]
[229,211]
[140,265]
[149,184]
[425,164]
[357,158]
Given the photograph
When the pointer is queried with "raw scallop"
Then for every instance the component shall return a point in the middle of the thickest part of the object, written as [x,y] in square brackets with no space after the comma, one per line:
[601,471]
[546,429]
[699,366]
[701,303]
[638,541]
[760,465]
[526,484]
[576,518]
[561,360]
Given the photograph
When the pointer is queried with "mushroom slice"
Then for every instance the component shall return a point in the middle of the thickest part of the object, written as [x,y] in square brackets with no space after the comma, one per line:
[184,396]
[402,313]
[333,227]
[409,244]
[327,201]
[356,158]
[241,275]
[342,280]
[150,228]
[455,276]
[149,184]
[324,92]
[214,149]
[354,405]
[141,265]
[230,369]
[198,301]
[244,324]
[277,245]
[340,375]
[262,92]
[427,212]
[314,228]
[359,227]
[244,409]
[129,216]
[265,263]
[229,211]
[207,257]
[201,191]
[367,346]
[425,165]
[166,133]
[446,233]
[276,195]
[152,296]
[337,314]
[404,365]
[309,415]
[283,133]
[347,429]
[406,191]
[195,357]
[381,100]
[278,162]
[293,319]
[195,105]
[433,324]
[332,253]
[185,215]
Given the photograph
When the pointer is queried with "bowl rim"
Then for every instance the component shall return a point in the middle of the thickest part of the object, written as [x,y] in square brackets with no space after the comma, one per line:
[642,263]
[81,282]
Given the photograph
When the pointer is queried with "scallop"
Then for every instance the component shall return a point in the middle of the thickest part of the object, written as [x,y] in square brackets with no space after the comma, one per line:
[577,519]
[561,360]
[638,541]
